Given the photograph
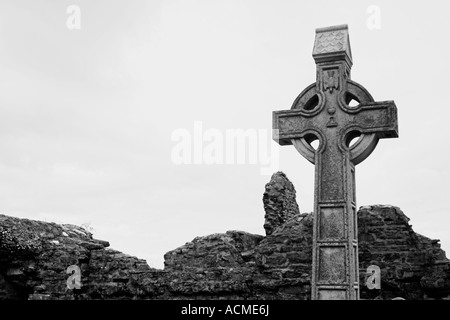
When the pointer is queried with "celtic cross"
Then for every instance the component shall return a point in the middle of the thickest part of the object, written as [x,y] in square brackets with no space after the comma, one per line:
[323,111]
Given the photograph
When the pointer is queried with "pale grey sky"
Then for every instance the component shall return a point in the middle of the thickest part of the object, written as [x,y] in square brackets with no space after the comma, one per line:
[87,115]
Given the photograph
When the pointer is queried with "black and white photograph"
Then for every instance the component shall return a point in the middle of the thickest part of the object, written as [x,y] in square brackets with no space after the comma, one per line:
[224,154]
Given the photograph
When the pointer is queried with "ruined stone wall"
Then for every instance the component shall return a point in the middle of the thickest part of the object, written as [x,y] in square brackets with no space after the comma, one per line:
[412,266]
[34,257]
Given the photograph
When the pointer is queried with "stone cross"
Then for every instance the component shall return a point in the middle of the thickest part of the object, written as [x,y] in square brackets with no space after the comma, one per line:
[324,111]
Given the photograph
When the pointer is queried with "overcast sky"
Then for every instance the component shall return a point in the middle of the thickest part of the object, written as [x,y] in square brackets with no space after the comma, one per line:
[90,107]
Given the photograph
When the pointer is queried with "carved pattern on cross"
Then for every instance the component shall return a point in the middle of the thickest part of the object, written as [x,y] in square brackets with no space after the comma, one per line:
[330,42]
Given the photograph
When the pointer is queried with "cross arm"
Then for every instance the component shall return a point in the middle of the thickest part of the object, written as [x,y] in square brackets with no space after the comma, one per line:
[377,117]
[291,124]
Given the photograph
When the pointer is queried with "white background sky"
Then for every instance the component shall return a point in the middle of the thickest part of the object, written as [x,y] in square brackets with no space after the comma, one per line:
[86,116]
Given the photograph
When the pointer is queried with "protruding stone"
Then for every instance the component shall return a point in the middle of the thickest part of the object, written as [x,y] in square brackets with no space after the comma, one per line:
[279,202]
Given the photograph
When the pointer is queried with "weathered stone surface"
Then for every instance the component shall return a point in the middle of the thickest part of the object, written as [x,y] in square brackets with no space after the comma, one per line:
[279,202]
[212,267]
